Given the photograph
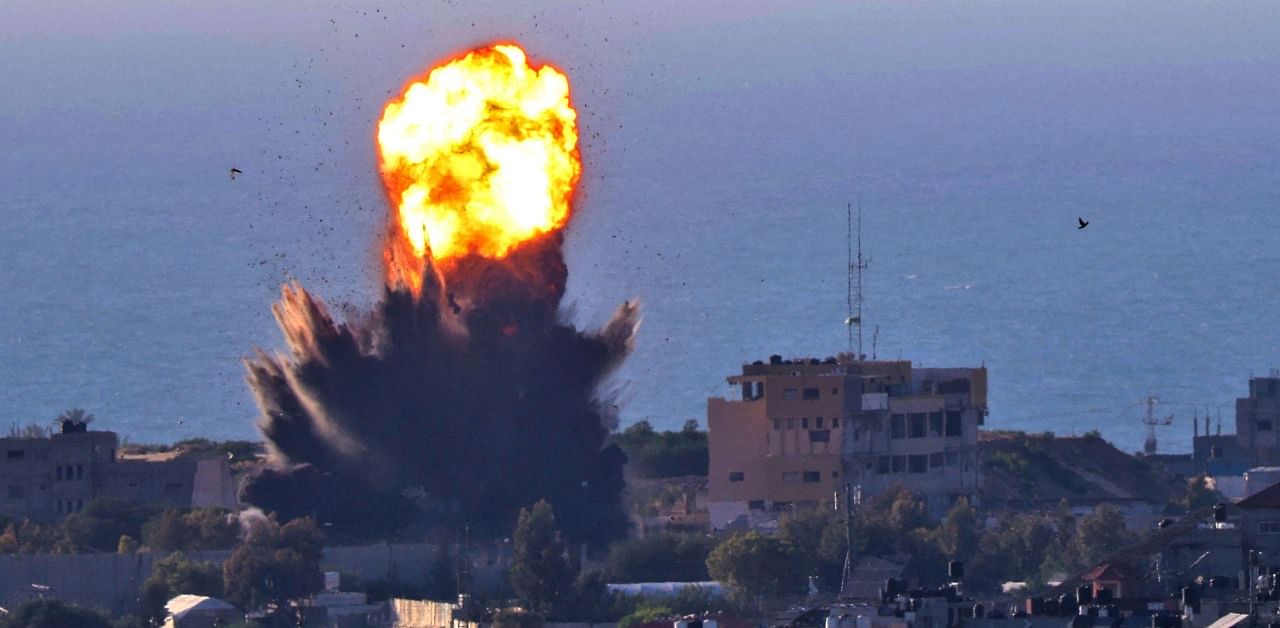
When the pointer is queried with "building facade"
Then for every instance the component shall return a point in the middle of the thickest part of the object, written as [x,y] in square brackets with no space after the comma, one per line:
[1258,421]
[46,479]
[798,431]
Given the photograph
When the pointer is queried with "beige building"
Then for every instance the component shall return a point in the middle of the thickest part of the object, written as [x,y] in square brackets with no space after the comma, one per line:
[799,430]
[1258,421]
[46,479]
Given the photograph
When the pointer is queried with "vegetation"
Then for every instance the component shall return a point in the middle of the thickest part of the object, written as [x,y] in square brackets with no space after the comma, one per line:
[192,529]
[754,565]
[40,613]
[662,557]
[275,564]
[177,575]
[653,454]
[540,572]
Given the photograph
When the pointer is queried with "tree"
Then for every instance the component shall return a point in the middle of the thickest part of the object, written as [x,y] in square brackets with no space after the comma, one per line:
[41,613]
[659,558]
[102,522]
[126,545]
[275,564]
[1099,535]
[959,533]
[516,618]
[819,536]
[9,540]
[192,530]
[753,564]
[540,570]
[177,575]
[653,454]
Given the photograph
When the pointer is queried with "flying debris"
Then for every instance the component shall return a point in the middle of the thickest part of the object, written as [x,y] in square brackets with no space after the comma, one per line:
[463,394]
[1083,223]
[234,171]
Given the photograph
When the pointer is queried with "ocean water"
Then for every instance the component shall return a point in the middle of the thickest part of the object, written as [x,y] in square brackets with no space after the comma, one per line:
[721,145]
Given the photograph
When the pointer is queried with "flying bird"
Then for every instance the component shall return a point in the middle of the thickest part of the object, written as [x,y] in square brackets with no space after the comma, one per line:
[1083,223]
[234,171]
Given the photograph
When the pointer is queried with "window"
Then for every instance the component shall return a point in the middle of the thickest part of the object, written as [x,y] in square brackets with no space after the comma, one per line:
[810,394]
[819,436]
[935,424]
[899,464]
[79,504]
[818,422]
[756,504]
[918,464]
[953,458]
[1264,425]
[79,471]
[791,477]
[835,474]
[791,424]
[59,469]
[915,425]
[173,487]
[15,454]
[882,465]
[777,424]
[812,477]
[1270,526]
[897,426]
[935,460]
[804,423]
[737,476]
[791,394]
[16,491]
[835,423]
[954,425]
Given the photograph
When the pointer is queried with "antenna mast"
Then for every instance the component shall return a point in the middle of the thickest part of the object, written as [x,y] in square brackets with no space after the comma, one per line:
[1149,447]
[854,293]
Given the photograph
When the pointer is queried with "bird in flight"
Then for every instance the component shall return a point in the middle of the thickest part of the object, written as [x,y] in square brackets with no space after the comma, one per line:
[234,171]
[1083,223]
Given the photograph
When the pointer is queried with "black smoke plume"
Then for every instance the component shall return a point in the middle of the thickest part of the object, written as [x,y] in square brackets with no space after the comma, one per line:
[456,406]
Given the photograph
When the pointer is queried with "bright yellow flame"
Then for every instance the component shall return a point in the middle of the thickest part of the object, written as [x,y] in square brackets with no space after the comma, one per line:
[478,157]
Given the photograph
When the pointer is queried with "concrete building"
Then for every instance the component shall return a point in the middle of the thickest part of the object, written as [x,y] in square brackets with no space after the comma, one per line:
[45,479]
[798,431]
[1258,421]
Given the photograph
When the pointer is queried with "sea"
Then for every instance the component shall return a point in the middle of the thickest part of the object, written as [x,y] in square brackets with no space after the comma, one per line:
[725,146]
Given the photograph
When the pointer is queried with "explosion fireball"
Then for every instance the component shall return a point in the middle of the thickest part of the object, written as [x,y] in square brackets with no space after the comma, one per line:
[463,395]
[477,157]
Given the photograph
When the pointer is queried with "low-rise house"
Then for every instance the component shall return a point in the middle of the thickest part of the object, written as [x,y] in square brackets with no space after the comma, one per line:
[198,611]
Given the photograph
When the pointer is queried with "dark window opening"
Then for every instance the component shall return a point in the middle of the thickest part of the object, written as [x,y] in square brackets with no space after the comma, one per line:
[1264,425]
[835,474]
[737,476]
[812,477]
[953,458]
[818,423]
[935,424]
[935,460]
[756,504]
[915,423]
[819,436]
[791,424]
[918,464]
[835,423]
[79,471]
[15,454]
[804,423]
[882,465]
[16,491]
[899,464]
[897,426]
[791,477]
[955,426]
[810,394]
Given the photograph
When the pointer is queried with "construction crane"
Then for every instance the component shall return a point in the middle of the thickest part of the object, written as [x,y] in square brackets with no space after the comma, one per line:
[1151,421]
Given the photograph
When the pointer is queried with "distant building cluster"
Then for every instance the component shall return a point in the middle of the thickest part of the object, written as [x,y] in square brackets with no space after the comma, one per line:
[46,479]
[801,431]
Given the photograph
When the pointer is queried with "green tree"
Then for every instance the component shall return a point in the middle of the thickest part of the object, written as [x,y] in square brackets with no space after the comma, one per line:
[275,564]
[653,454]
[126,545]
[1099,535]
[660,557]
[42,613]
[102,522]
[819,536]
[959,534]
[540,571]
[516,618]
[174,575]
[190,530]
[645,615]
[753,564]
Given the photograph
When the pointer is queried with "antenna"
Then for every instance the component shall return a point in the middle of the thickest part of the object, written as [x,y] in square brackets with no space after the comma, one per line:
[1149,446]
[854,292]
[875,339]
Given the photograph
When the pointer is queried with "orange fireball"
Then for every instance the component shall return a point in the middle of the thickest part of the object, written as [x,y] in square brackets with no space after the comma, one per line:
[477,157]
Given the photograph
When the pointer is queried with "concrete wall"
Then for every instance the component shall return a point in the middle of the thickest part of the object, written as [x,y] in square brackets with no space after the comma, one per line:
[111,581]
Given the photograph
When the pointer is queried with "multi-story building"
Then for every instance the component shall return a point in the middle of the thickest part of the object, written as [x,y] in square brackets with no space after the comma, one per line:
[800,430]
[1258,420]
[45,479]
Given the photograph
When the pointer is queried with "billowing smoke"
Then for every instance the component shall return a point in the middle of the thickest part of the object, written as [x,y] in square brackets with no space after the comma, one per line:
[454,406]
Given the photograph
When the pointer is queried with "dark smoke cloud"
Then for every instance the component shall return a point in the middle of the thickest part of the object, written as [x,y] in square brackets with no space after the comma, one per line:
[455,407]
